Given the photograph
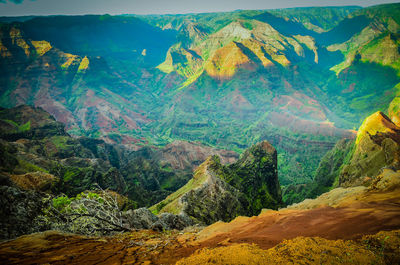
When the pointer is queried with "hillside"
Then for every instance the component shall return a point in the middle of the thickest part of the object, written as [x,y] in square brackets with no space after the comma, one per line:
[217,192]
[38,158]
[354,162]
[295,74]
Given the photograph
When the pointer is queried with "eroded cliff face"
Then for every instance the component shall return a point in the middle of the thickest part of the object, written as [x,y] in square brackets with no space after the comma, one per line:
[256,175]
[206,197]
[377,146]
[215,199]
[218,192]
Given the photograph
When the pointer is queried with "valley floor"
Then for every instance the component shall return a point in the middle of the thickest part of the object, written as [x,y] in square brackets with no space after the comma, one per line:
[337,227]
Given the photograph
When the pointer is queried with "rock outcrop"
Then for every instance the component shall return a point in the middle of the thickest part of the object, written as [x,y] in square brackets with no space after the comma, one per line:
[206,197]
[143,218]
[394,111]
[39,181]
[18,211]
[377,146]
[218,192]
[256,175]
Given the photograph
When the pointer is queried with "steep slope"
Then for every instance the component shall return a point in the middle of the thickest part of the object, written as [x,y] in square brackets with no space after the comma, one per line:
[102,36]
[218,192]
[318,19]
[34,144]
[77,90]
[326,176]
[370,57]
[184,155]
[256,175]
[377,146]
[394,111]
[41,164]
[227,80]
[353,163]
[206,197]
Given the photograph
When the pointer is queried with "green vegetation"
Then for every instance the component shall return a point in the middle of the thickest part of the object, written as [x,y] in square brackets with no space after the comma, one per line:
[218,192]
[28,167]
[19,128]
[61,203]
[326,176]
[284,92]
[316,18]
[171,203]
[90,212]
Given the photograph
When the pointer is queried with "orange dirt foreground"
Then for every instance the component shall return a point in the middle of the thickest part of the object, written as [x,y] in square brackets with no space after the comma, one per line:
[332,229]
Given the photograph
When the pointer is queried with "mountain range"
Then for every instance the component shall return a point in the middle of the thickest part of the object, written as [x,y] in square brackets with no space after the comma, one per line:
[295,77]
[202,136]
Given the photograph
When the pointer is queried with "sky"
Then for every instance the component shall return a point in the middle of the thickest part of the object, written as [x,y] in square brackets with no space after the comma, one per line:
[113,7]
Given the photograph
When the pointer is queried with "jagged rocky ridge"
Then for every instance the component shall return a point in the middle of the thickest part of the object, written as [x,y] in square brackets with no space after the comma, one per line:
[218,192]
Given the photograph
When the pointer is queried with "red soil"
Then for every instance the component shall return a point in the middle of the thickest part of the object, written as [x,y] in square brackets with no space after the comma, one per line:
[355,217]
[269,229]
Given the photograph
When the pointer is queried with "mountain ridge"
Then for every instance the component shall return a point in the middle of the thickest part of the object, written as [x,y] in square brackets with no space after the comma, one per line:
[315,82]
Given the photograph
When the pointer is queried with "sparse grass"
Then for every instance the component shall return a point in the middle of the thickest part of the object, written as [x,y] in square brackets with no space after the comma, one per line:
[171,203]
[19,128]
[28,167]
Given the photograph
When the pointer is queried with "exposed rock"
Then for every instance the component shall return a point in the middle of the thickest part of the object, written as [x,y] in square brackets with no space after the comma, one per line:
[394,111]
[214,199]
[140,218]
[387,181]
[378,123]
[255,174]
[206,197]
[38,181]
[18,211]
[173,221]
[218,192]
[377,146]
[159,248]
[143,218]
